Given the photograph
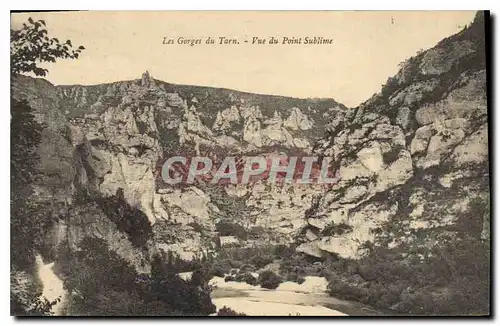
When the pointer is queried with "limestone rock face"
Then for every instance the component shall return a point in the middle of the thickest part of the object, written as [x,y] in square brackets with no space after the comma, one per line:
[58,165]
[413,159]
[250,125]
[90,221]
[298,121]
[111,139]
[226,118]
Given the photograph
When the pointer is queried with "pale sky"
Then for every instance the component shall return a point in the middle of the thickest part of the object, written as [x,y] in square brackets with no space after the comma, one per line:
[366,49]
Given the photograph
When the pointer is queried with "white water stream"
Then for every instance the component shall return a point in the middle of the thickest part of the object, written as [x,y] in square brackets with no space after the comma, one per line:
[52,285]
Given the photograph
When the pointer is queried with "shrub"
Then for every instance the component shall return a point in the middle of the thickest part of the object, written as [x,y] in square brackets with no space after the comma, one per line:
[235,263]
[225,311]
[284,251]
[220,268]
[453,280]
[247,268]
[247,278]
[109,285]
[345,291]
[261,261]
[294,277]
[231,229]
[31,304]
[269,280]
[392,155]
[196,227]
[256,232]
[128,219]
[250,279]
[419,302]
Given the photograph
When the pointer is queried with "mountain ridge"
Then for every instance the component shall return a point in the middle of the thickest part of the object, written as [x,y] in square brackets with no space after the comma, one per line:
[413,161]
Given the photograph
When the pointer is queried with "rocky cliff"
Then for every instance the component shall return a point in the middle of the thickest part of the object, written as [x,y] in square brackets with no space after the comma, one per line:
[413,160]
[108,139]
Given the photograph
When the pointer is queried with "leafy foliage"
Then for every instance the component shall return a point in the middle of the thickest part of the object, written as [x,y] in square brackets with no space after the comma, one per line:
[105,284]
[27,218]
[453,279]
[128,219]
[246,278]
[31,45]
[269,280]
[392,155]
[226,228]
[226,312]
[33,306]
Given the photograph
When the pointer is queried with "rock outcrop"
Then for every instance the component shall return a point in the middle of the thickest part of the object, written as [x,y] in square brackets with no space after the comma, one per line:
[108,139]
[413,159]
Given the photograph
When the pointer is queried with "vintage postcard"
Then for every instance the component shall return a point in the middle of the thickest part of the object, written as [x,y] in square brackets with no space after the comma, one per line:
[248,163]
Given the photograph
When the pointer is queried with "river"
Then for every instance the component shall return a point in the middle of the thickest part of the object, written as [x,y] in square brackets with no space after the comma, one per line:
[53,286]
[307,299]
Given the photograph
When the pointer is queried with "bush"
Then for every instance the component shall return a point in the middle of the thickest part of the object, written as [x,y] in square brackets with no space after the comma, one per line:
[284,251]
[392,155]
[294,277]
[229,278]
[128,219]
[109,285]
[235,263]
[261,261]
[269,280]
[453,280]
[247,278]
[231,229]
[196,227]
[225,311]
[247,268]
[416,303]
[220,268]
[250,279]
[345,291]
[31,304]
[256,232]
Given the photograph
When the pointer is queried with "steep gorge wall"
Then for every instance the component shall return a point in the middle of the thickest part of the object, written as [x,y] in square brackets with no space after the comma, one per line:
[413,159]
[106,140]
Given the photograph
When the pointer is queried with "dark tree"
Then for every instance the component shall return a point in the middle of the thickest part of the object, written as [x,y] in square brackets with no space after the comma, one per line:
[31,45]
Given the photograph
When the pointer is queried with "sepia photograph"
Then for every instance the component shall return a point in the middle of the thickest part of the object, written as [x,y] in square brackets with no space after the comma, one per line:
[250,163]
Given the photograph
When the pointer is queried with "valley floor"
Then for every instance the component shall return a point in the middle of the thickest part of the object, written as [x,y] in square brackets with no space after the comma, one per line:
[307,299]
